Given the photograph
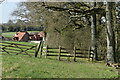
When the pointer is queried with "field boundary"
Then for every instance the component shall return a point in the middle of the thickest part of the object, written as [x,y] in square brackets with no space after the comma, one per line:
[62,52]
[45,51]
[17,48]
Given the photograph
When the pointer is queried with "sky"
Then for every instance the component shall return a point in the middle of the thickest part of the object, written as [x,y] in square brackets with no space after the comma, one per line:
[6,8]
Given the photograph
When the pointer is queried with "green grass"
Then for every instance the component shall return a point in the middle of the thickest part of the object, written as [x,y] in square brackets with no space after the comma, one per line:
[29,67]
[17,42]
[8,34]
[11,34]
[21,66]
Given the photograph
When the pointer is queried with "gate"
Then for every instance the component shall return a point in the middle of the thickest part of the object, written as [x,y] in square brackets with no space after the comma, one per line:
[17,48]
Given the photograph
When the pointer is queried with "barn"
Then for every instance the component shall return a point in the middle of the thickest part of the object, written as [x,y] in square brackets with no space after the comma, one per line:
[21,36]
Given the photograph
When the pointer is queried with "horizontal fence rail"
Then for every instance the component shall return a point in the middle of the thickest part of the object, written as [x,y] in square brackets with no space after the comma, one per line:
[45,51]
[16,48]
[62,52]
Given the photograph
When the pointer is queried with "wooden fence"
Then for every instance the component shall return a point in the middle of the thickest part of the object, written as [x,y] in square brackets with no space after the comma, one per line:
[62,52]
[15,48]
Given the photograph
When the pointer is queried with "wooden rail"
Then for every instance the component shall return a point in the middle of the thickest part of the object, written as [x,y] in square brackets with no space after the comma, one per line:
[46,51]
[62,52]
[17,48]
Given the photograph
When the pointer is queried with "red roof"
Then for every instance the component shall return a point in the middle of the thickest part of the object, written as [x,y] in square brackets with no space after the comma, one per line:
[20,34]
[41,34]
[26,36]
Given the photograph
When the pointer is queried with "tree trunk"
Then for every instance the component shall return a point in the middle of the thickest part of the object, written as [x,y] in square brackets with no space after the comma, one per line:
[110,34]
[116,31]
[93,35]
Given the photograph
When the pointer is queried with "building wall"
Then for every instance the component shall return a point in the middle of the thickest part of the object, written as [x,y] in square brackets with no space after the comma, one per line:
[25,38]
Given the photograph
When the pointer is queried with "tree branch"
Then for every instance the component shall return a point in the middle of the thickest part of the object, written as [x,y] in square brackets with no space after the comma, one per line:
[95,10]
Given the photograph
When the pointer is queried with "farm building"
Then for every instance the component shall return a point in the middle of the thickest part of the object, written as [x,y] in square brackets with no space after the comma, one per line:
[34,36]
[21,36]
[25,36]
[41,35]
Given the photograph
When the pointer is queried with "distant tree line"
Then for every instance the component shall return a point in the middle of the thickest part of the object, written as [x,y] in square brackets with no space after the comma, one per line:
[19,26]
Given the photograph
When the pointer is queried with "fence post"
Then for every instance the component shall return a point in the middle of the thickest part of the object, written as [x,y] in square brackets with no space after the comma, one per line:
[75,54]
[41,50]
[38,48]
[89,54]
[59,53]
[46,51]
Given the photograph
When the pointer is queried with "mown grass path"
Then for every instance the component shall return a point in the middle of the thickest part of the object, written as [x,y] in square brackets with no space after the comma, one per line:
[20,66]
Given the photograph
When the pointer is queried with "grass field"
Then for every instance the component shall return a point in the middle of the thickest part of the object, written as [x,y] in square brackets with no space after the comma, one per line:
[20,66]
[11,34]
[25,43]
